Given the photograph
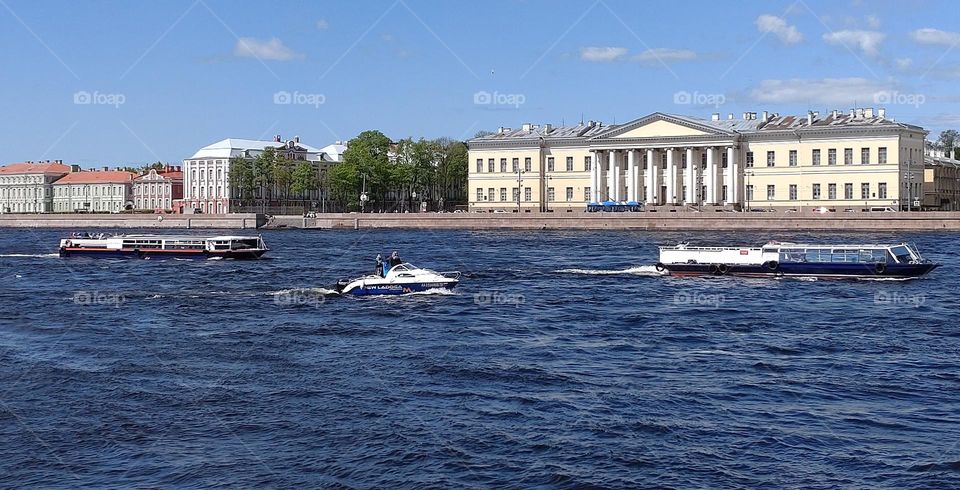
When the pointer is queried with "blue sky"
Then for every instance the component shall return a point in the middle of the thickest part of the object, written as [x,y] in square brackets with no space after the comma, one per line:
[110,83]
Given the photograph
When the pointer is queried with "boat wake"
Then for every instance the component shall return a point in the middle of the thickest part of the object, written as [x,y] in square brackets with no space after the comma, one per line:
[303,292]
[643,270]
[30,255]
[434,291]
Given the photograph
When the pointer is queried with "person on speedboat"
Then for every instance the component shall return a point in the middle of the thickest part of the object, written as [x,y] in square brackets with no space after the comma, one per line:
[379,270]
[395,259]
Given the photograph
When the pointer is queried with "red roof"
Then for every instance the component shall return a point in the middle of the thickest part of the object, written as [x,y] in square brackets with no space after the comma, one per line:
[97,177]
[35,168]
[164,175]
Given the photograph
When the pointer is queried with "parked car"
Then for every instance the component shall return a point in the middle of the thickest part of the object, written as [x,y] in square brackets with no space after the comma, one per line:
[823,210]
[882,209]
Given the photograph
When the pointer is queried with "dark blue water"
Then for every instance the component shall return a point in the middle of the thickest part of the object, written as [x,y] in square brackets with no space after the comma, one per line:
[547,367]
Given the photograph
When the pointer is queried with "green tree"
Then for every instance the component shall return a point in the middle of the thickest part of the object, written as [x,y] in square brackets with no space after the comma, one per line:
[241,178]
[283,176]
[948,142]
[367,155]
[263,173]
[303,180]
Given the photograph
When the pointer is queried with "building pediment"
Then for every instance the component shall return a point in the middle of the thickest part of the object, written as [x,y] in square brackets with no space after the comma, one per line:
[660,125]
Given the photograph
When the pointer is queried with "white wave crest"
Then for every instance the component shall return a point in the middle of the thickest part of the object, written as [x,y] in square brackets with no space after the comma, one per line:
[643,270]
[291,291]
[30,255]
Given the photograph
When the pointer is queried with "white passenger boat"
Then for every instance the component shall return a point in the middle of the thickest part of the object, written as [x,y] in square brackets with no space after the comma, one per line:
[400,279]
[179,246]
[901,261]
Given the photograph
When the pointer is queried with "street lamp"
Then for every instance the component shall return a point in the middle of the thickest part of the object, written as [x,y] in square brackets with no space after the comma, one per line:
[748,190]
[413,195]
[520,173]
[363,195]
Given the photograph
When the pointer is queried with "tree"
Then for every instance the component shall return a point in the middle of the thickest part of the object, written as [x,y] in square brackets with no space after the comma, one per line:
[241,178]
[283,176]
[263,174]
[948,141]
[367,155]
[303,179]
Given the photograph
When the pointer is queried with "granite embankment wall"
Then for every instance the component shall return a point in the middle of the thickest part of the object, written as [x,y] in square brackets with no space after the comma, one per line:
[86,221]
[876,222]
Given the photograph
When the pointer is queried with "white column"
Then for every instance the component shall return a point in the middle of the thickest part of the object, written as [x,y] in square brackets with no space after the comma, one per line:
[691,178]
[595,176]
[651,177]
[711,178]
[598,168]
[671,178]
[616,178]
[731,177]
[631,175]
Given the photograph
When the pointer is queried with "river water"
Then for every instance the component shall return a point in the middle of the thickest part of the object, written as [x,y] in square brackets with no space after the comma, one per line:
[562,360]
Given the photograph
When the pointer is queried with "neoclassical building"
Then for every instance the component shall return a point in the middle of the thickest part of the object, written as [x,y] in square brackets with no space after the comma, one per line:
[28,187]
[94,191]
[158,189]
[851,159]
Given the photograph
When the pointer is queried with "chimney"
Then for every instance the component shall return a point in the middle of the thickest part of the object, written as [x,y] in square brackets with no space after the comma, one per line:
[765,116]
[859,113]
[881,113]
[853,112]
[591,124]
[715,116]
[868,112]
[526,126]
[835,113]
[61,161]
[74,168]
[547,128]
[730,116]
[106,169]
[276,138]
[296,139]
[809,118]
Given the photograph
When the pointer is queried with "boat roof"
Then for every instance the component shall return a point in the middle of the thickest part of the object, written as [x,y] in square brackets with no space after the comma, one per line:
[180,237]
[834,245]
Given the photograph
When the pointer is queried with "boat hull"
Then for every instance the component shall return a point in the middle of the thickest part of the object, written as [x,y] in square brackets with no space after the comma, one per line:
[820,270]
[160,254]
[397,289]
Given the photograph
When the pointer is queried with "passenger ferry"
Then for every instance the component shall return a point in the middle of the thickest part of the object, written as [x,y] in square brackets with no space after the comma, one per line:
[182,246]
[775,259]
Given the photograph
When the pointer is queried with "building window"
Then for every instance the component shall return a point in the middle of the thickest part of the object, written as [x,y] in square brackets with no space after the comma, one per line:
[503,165]
[527,165]
[703,160]
[749,192]
[516,194]
[503,194]
[793,158]
[771,192]
[831,191]
[816,157]
[587,164]
[793,192]
[882,155]
[723,193]
[683,159]
[816,191]
[865,156]
[490,166]
[551,194]
[479,165]
[527,194]
[723,161]
[882,190]
[550,164]
[569,164]
[832,156]
[516,165]
[663,160]
[491,194]
[848,156]
[771,159]
[479,194]
[569,194]
[586,194]
[848,191]
[864,191]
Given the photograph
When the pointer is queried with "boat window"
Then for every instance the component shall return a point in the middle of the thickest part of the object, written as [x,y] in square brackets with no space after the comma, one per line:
[901,253]
[793,256]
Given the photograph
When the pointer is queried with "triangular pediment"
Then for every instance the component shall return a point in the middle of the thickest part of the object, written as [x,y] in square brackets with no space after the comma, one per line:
[659,125]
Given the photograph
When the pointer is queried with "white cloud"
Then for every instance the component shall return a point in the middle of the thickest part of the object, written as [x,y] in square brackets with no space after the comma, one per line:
[903,63]
[827,91]
[873,21]
[323,25]
[602,54]
[935,36]
[265,50]
[666,55]
[867,41]
[788,34]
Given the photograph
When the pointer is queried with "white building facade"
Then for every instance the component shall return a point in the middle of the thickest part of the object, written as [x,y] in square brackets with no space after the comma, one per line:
[28,187]
[158,189]
[206,174]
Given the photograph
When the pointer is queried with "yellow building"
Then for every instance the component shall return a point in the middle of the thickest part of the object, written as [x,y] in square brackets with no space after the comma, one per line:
[852,159]
[941,182]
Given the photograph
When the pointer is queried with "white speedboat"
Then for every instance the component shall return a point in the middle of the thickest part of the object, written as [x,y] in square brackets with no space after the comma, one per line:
[401,279]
